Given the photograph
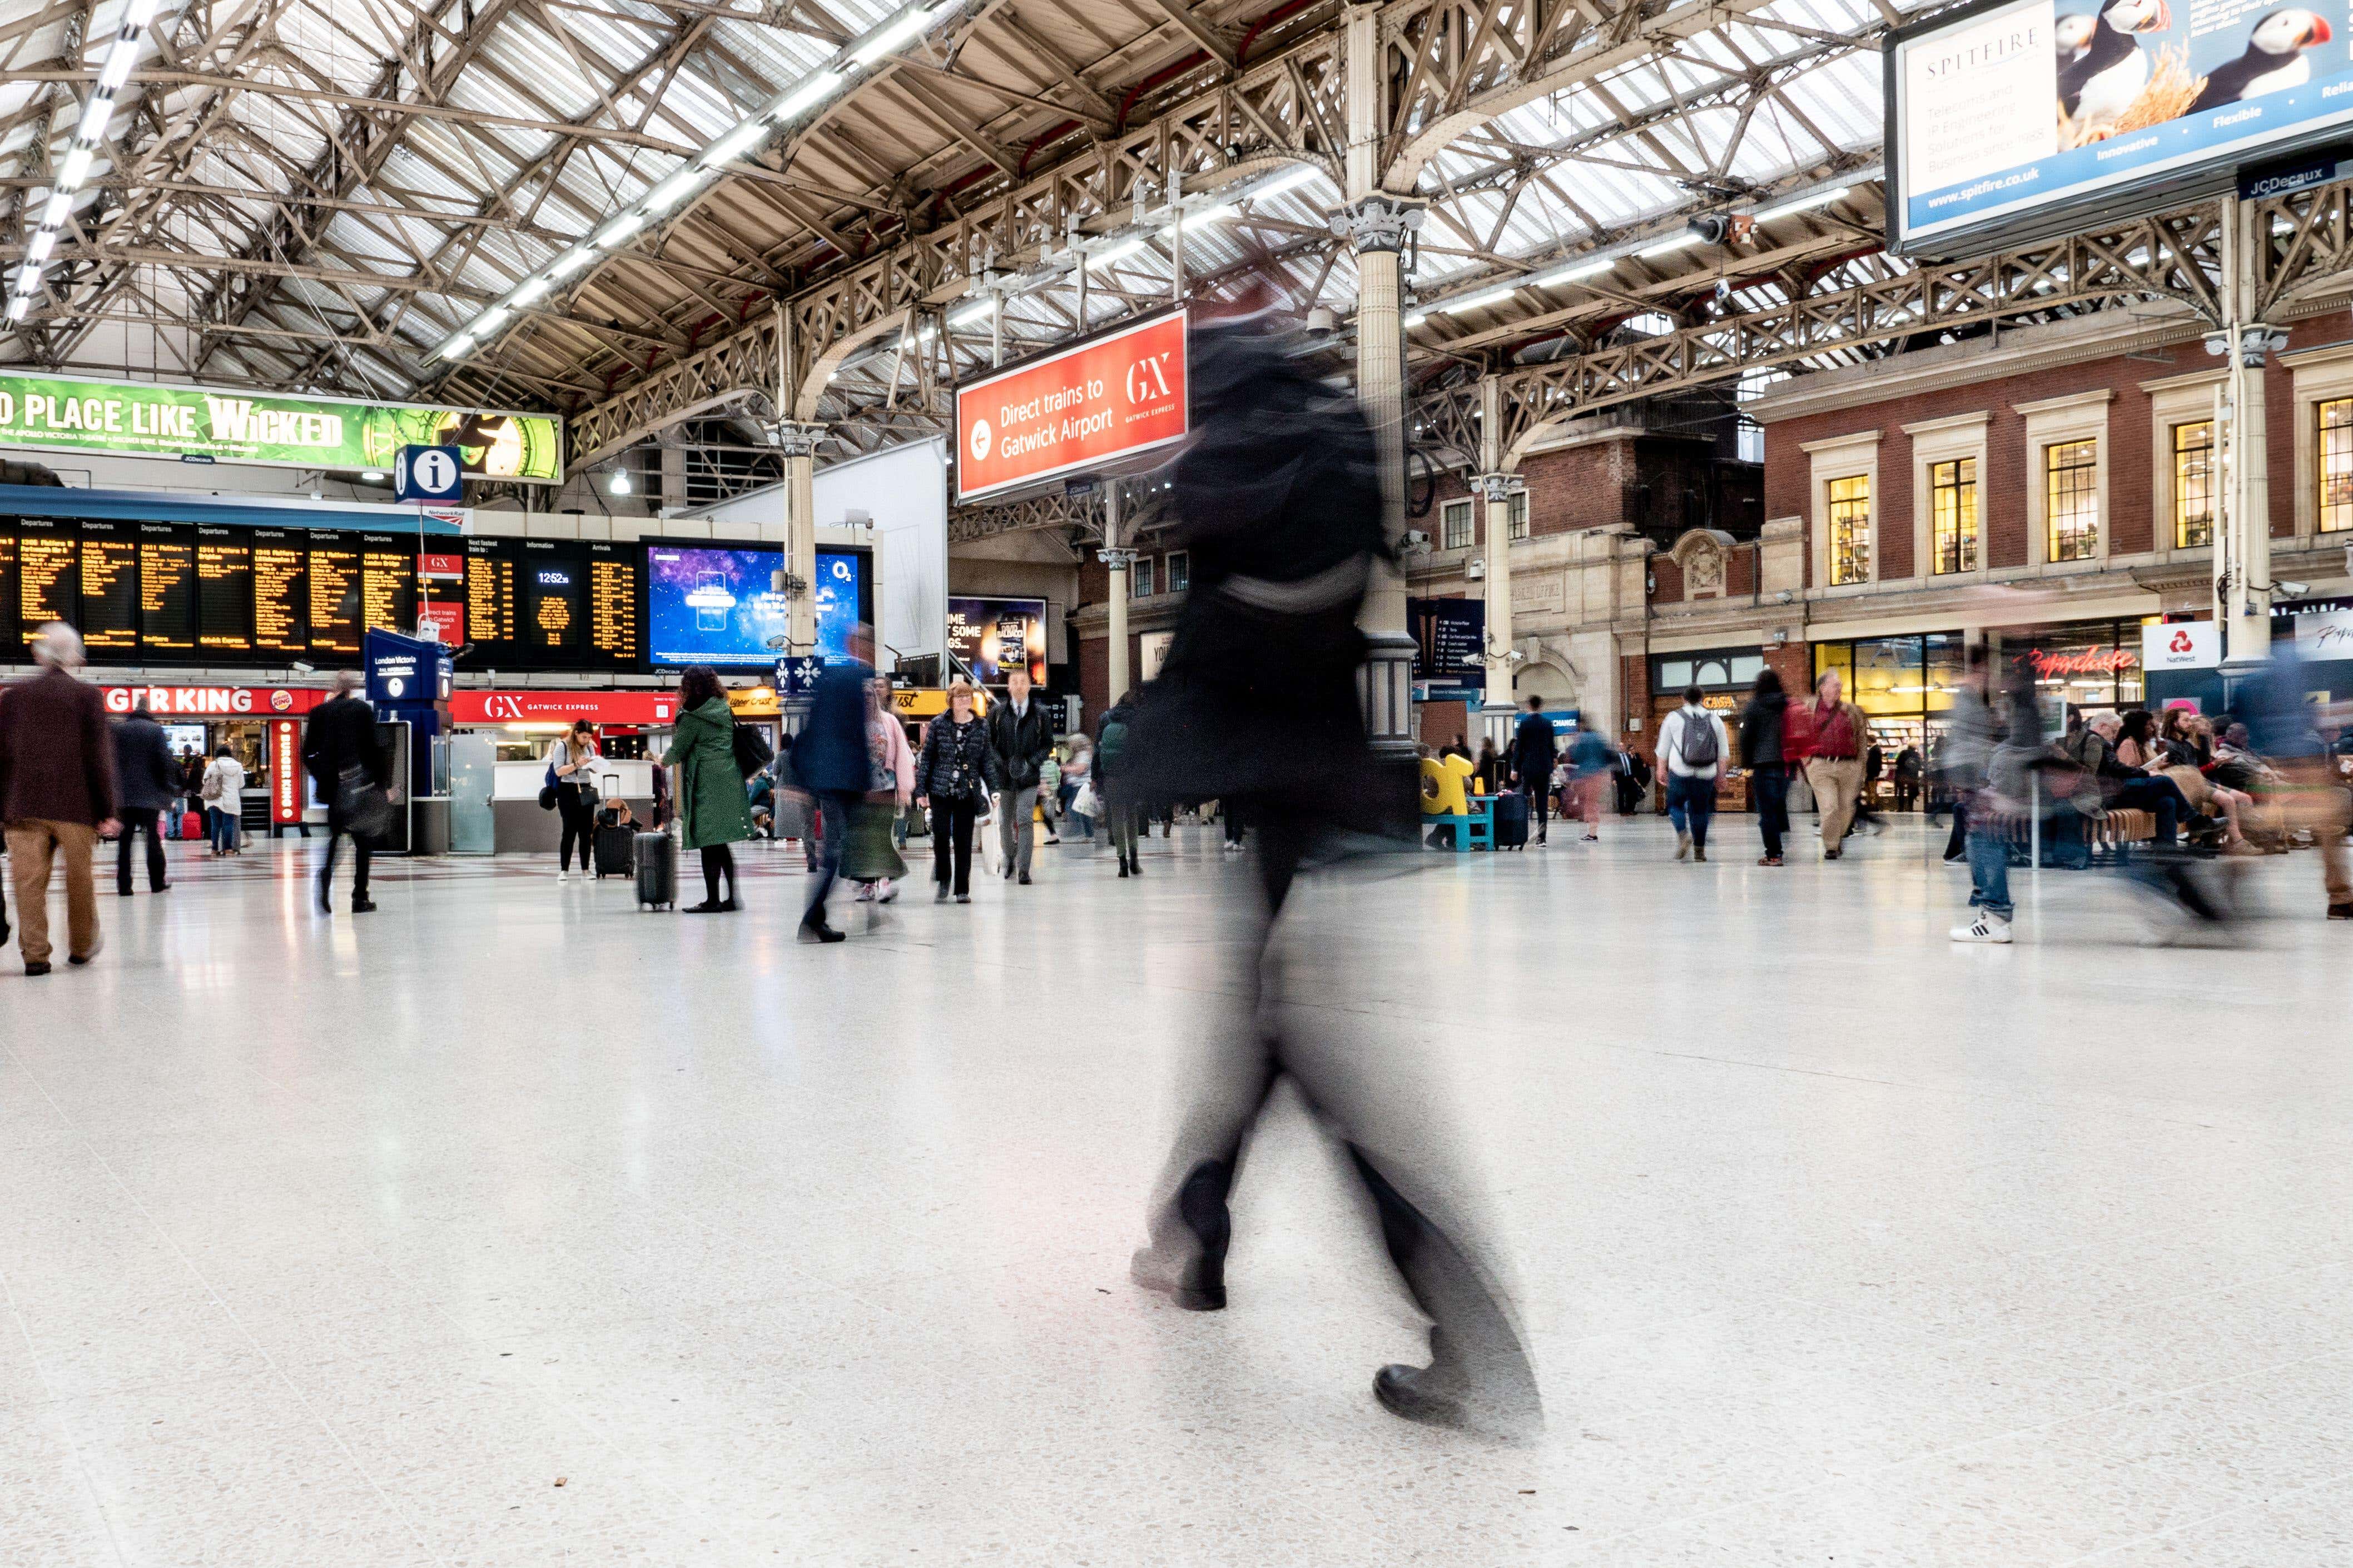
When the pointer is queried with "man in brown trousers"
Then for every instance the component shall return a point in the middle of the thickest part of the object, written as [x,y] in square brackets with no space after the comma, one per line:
[57,794]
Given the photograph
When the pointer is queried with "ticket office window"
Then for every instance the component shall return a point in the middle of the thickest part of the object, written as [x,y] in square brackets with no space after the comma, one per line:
[2193,484]
[2070,509]
[1953,515]
[1848,510]
[2334,462]
[1454,525]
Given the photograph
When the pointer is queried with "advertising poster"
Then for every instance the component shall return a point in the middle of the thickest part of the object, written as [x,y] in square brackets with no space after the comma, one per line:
[1086,406]
[2040,104]
[143,420]
[707,605]
[994,636]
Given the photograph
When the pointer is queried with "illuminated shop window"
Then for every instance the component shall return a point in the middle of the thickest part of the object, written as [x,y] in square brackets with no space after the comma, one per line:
[2193,484]
[2072,499]
[2336,464]
[1850,524]
[1953,514]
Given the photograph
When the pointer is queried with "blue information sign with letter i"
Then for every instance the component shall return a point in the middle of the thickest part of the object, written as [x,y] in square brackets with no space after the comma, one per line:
[428,473]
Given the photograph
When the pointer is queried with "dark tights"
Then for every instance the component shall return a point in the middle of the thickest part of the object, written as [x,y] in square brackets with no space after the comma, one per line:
[717,860]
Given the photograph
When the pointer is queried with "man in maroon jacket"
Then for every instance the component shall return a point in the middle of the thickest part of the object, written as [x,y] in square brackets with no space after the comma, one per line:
[57,794]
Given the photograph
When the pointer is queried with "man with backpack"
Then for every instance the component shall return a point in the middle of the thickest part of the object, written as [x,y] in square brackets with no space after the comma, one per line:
[1691,752]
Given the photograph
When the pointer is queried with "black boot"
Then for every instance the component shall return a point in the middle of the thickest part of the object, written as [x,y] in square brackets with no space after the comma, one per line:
[1187,1259]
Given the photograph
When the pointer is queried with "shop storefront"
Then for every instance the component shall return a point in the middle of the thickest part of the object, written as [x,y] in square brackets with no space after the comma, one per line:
[198,720]
[1725,677]
[521,723]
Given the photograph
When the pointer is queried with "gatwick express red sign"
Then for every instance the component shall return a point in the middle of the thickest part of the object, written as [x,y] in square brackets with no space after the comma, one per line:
[1082,408]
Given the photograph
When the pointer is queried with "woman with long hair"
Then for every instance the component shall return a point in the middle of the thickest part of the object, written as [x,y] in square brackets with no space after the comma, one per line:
[950,780]
[572,756]
[712,812]
[1762,753]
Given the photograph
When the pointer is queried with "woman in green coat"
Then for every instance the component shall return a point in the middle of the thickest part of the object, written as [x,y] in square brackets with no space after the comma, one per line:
[712,813]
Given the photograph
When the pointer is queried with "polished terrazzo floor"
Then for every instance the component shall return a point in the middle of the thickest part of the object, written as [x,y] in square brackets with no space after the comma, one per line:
[511,1225]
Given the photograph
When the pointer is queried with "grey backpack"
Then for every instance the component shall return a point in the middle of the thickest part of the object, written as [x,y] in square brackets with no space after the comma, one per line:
[1696,746]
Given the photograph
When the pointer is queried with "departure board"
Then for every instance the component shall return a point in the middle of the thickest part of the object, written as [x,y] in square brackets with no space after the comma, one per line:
[489,596]
[167,589]
[555,598]
[334,600]
[388,583]
[281,592]
[48,574]
[614,580]
[224,590]
[110,587]
[12,635]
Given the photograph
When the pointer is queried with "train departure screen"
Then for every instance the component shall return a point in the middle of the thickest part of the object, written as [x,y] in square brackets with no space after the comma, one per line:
[167,589]
[281,592]
[225,589]
[334,599]
[110,587]
[388,583]
[613,584]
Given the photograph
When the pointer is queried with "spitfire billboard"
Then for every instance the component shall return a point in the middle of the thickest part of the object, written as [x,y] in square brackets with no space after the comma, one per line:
[2021,119]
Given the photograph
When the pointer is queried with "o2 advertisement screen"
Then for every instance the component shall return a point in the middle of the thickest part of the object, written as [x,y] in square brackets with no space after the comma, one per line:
[712,605]
[717,605]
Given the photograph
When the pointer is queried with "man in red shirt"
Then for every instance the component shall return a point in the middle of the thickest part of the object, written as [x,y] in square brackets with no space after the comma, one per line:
[1840,734]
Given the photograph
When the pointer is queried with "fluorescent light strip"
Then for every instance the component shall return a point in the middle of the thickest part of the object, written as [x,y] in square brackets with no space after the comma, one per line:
[619,229]
[529,293]
[674,190]
[1803,203]
[1416,318]
[1574,271]
[119,61]
[94,117]
[972,313]
[1476,301]
[570,262]
[60,209]
[38,248]
[734,144]
[77,167]
[18,306]
[1120,252]
[909,23]
[1668,246]
[805,96]
[1289,180]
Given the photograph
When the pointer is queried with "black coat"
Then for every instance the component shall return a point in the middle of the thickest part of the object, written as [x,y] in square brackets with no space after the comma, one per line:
[1760,731]
[955,760]
[1019,744]
[341,735]
[145,777]
[1279,501]
[1534,749]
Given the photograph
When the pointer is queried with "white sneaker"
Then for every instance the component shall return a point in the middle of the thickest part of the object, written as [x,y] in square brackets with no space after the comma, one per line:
[1683,846]
[1985,928]
[562,875]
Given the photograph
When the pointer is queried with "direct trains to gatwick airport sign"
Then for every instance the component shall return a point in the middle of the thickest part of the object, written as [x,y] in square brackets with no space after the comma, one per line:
[1085,407]
[152,421]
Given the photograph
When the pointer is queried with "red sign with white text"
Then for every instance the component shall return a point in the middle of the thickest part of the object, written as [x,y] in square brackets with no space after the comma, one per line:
[213,702]
[543,707]
[285,756]
[1079,409]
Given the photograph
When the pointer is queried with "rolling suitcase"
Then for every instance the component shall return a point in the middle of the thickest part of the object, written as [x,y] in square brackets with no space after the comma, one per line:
[615,848]
[1512,821]
[657,858]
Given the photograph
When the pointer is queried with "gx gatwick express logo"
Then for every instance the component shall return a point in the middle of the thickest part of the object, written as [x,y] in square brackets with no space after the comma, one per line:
[1147,379]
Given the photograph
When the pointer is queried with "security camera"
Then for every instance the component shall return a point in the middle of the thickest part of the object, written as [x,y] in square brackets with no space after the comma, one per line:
[2293,590]
[1476,571]
[1322,321]
[1414,542]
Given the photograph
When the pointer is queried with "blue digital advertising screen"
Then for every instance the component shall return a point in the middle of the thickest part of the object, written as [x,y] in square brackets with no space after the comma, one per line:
[2020,118]
[717,604]
[844,598]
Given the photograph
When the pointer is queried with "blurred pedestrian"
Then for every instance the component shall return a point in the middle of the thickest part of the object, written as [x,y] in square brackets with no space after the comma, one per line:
[1078,787]
[146,782]
[831,763]
[870,858]
[346,761]
[2284,728]
[1763,726]
[1691,751]
[1020,737]
[1835,736]
[57,795]
[1120,813]
[1279,573]
[1592,767]
[1992,739]
[712,812]
[223,794]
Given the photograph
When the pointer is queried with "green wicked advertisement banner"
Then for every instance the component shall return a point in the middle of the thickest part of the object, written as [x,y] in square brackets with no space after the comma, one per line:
[143,420]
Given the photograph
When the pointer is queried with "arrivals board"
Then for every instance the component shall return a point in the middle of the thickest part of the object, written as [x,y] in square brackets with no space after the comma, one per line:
[554,604]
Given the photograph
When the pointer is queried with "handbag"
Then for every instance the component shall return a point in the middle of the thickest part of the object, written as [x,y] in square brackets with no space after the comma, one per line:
[1084,803]
[547,790]
[362,802]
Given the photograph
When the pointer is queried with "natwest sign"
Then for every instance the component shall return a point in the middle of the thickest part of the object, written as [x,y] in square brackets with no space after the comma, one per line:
[213,702]
[547,706]
[1082,408]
